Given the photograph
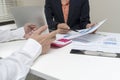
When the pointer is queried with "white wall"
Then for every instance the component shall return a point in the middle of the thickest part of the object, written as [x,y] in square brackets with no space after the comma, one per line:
[110,9]
[31,2]
[100,9]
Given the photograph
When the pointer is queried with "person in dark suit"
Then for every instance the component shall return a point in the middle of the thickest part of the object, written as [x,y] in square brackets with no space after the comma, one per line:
[67,15]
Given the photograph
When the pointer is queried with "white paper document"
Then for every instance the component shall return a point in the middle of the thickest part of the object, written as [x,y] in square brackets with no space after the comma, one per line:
[107,46]
[88,38]
[82,32]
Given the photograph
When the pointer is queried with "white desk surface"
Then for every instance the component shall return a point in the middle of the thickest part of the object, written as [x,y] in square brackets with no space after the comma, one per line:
[59,64]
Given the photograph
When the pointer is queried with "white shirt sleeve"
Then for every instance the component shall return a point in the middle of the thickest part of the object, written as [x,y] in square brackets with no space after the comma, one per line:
[8,35]
[17,66]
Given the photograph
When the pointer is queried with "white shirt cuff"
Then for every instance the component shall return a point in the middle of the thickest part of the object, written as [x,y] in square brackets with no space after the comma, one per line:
[18,33]
[33,48]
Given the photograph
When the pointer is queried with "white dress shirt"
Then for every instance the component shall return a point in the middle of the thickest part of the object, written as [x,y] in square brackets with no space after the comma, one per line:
[8,35]
[17,66]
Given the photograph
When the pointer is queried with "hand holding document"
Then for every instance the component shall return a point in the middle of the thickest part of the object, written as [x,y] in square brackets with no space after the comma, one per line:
[85,31]
[73,35]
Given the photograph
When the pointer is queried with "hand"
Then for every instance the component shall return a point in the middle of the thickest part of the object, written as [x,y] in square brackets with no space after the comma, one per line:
[91,25]
[63,28]
[29,28]
[44,39]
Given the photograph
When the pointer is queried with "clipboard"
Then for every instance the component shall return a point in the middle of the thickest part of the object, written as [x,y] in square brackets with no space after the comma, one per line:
[95,53]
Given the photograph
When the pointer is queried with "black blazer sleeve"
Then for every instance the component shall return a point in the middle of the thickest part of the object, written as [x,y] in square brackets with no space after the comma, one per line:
[84,17]
[52,25]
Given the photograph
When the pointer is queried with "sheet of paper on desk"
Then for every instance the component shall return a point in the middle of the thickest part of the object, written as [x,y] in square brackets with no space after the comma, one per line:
[82,32]
[110,44]
[88,38]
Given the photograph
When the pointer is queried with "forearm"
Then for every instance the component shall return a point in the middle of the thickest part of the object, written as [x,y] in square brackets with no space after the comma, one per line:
[49,16]
[85,17]
[8,35]
[18,64]
[52,25]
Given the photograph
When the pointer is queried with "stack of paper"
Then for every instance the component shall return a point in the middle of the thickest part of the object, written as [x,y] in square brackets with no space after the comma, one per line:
[106,46]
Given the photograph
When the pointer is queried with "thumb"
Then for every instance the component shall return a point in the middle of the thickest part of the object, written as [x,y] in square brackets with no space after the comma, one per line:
[41,29]
[92,24]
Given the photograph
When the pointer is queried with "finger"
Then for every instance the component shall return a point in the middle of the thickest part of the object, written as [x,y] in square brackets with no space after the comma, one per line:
[94,31]
[52,35]
[41,29]
[34,29]
[93,24]
[65,30]
[90,25]
[65,27]
[30,24]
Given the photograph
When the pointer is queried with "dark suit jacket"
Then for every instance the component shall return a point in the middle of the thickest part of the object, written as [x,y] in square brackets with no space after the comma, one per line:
[78,15]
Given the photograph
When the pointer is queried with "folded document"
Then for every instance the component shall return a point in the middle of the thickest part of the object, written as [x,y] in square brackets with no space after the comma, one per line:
[82,32]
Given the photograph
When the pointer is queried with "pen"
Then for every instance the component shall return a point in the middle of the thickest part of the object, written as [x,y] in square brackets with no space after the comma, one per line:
[75,30]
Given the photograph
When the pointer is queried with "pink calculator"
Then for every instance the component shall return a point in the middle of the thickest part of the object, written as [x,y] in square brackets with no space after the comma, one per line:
[61,42]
